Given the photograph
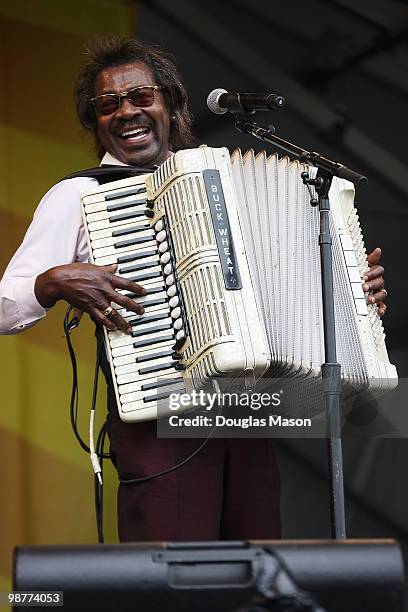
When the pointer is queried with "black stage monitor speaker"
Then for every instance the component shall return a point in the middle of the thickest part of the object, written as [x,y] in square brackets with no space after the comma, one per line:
[335,576]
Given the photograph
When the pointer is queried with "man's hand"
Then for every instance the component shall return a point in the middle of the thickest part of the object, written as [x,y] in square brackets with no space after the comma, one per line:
[374,282]
[91,289]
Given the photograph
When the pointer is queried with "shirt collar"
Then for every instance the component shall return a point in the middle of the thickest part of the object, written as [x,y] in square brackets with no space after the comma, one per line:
[109,160]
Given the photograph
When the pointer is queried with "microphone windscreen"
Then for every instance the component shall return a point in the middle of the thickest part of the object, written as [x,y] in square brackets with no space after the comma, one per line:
[212,101]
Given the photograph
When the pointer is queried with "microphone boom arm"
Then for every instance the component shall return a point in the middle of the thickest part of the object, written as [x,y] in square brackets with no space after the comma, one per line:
[314,159]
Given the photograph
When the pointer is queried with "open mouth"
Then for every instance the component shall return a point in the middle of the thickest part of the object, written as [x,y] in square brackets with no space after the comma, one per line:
[135,134]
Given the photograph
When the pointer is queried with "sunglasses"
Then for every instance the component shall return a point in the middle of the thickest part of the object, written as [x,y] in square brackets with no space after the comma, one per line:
[109,103]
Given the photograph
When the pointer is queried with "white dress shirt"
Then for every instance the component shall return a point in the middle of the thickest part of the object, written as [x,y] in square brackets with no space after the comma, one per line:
[55,237]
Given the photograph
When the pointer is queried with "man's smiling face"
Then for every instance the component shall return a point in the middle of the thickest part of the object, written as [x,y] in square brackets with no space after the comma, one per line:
[119,133]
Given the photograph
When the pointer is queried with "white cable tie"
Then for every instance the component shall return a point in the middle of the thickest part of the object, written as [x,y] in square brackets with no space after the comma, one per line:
[94,457]
[96,466]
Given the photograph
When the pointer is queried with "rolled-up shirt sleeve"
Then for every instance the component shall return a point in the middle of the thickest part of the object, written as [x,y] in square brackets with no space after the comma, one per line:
[56,236]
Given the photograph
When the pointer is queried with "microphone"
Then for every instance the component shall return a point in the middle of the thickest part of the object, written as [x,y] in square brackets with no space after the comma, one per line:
[219,101]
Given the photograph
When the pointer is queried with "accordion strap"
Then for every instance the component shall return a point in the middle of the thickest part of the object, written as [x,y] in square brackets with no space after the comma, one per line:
[106,174]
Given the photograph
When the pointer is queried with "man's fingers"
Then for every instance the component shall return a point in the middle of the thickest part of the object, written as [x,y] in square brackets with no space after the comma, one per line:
[382,309]
[127,303]
[112,321]
[374,285]
[374,272]
[111,268]
[373,282]
[124,283]
[119,322]
[99,317]
[374,257]
[376,297]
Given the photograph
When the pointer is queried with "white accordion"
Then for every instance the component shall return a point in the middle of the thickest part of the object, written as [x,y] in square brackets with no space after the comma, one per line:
[227,249]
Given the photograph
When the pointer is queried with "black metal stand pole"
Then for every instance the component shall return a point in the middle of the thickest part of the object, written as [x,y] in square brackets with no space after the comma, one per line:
[331,370]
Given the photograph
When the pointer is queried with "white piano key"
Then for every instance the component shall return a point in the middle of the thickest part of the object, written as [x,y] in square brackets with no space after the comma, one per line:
[111,250]
[111,240]
[145,358]
[136,200]
[106,224]
[361,307]
[123,352]
[140,400]
[125,379]
[354,274]
[123,251]
[148,410]
[148,270]
[108,231]
[101,192]
[129,314]
[146,326]
[150,284]
[129,214]
[130,350]
[350,259]
[144,300]
[346,242]
[146,262]
[126,359]
[135,387]
[357,290]
[98,216]
[119,339]
[131,368]
[109,259]
[136,398]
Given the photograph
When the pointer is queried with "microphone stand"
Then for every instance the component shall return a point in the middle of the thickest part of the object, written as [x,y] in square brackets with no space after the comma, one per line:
[331,370]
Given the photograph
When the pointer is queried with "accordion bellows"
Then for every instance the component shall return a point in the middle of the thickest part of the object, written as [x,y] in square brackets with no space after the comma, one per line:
[239,239]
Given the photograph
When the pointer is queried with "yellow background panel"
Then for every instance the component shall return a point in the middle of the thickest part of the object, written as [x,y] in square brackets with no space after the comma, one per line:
[82,17]
[46,486]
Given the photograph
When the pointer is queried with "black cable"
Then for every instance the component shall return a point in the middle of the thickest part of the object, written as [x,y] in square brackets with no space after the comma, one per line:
[100,443]
[98,488]
[171,469]
[69,326]
[174,467]
[98,494]
[94,396]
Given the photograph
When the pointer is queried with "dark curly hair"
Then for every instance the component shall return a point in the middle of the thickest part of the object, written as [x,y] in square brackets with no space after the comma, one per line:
[106,51]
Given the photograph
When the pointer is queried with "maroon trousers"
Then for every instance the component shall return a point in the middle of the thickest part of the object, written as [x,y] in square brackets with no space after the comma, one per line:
[229,491]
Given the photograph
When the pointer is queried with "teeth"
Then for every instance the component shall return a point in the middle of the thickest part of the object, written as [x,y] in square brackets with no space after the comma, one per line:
[135,131]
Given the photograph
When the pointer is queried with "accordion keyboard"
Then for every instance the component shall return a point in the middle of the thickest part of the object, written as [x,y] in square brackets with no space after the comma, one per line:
[145,363]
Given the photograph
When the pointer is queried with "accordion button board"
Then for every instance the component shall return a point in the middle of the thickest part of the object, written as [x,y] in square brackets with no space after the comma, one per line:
[145,364]
[227,249]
